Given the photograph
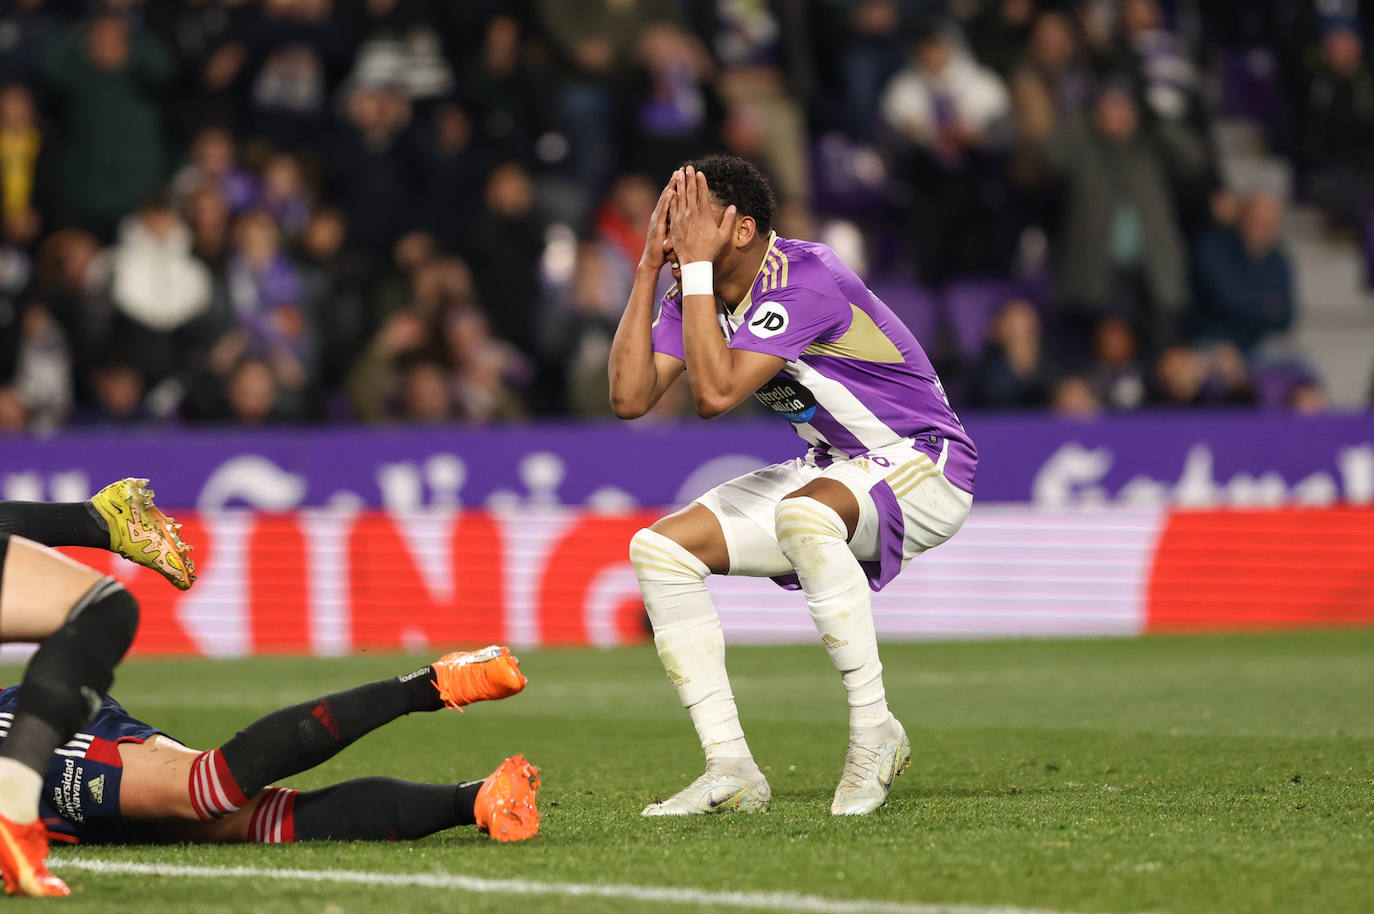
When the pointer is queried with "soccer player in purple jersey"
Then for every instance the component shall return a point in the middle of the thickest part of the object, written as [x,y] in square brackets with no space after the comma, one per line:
[888,472]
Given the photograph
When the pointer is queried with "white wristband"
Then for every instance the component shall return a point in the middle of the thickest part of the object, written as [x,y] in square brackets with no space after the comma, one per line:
[697,278]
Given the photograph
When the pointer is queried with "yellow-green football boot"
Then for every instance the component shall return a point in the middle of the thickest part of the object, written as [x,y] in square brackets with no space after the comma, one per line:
[142,533]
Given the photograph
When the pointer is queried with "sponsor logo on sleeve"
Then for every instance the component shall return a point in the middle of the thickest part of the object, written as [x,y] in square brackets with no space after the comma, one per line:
[787,398]
[769,320]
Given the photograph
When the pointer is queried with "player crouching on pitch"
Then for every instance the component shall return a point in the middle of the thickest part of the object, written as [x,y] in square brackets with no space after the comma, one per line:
[74,766]
[888,474]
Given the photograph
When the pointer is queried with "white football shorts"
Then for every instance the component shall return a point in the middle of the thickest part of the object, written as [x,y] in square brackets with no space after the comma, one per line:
[906,506]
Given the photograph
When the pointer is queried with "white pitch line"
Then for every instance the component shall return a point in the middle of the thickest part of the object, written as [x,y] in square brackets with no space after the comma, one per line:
[764,901]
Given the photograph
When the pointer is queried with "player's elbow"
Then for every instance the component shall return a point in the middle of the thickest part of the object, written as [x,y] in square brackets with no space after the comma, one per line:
[710,407]
[627,409]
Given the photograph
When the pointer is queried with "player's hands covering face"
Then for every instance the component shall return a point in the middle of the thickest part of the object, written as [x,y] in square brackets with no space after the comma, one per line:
[695,231]
[656,244]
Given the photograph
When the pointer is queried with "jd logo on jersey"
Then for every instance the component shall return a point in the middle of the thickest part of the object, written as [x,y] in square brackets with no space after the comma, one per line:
[769,320]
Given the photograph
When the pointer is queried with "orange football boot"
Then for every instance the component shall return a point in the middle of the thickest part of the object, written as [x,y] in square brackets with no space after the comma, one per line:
[505,807]
[463,677]
[23,856]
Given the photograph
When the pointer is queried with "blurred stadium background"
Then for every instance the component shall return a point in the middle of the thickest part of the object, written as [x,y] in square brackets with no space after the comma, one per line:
[355,265]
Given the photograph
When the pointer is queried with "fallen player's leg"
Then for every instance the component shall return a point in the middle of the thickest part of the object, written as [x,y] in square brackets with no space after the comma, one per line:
[120,517]
[85,623]
[224,794]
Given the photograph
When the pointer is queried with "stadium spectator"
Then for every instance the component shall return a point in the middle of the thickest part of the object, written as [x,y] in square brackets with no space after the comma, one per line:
[584,323]
[594,42]
[506,244]
[502,92]
[944,102]
[65,277]
[334,286]
[113,153]
[214,166]
[160,293]
[252,394]
[398,45]
[427,391]
[1168,79]
[400,285]
[1052,79]
[208,216]
[292,48]
[997,30]
[1336,149]
[13,417]
[284,193]
[488,369]
[27,27]
[672,105]
[370,168]
[1116,376]
[43,369]
[271,319]
[116,395]
[765,79]
[454,169]
[870,45]
[949,115]
[206,43]
[15,276]
[1186,376]
[374,381]
[1074,398]
[1244,279]
[1120,249]
[619,224]
[1308,398]
[26,183]
[1014,371]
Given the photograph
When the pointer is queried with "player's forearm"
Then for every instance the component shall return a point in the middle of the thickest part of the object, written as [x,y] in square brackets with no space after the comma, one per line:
[633,376]
[710,363]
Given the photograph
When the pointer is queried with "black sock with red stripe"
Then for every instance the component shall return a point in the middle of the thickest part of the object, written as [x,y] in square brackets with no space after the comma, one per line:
[365,809]
[298,738]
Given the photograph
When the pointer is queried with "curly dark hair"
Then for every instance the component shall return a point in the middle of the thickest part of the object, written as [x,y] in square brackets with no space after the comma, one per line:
[735,180]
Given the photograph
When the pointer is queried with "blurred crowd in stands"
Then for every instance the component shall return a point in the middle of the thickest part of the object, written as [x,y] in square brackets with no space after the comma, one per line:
[263,211]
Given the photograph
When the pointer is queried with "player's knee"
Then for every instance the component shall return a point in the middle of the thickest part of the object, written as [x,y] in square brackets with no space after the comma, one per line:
[99,629]
[799,520]
[116,607]
[656,557]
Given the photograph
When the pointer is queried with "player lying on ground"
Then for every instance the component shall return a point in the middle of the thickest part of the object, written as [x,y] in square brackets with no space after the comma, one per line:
[85,623]
[123,781]
[119,779]
[889,472]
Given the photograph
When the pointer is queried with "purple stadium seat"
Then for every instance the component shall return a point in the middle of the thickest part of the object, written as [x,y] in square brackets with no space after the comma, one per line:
[1274,382]
[969,307]
[914,306]
[848,178]
[1249,86]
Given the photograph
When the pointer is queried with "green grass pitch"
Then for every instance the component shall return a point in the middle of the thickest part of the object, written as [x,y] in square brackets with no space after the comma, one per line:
[1154,774]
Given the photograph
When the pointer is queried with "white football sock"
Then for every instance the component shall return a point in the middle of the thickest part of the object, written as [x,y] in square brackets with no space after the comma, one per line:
[690,641]
[20,786]
[814,539]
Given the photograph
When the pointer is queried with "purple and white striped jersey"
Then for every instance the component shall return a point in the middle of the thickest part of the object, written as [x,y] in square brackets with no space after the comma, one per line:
[854,377]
